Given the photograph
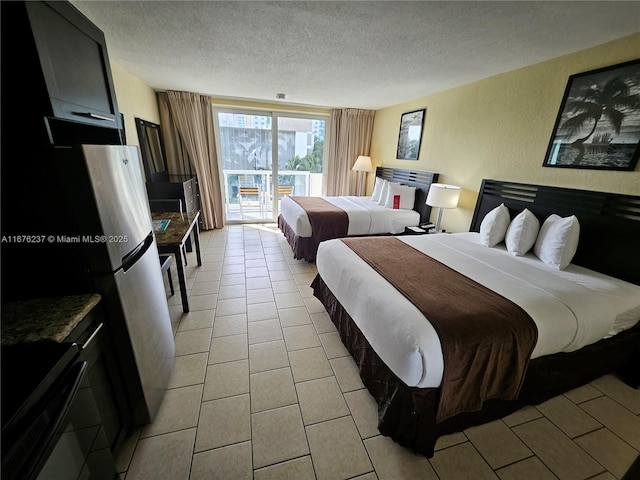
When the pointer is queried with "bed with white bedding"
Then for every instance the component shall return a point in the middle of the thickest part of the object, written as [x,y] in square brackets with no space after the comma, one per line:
[571,308]
[365,216]
[587,321]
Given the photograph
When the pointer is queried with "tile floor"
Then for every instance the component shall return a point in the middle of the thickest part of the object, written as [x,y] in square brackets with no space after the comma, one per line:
[264,389]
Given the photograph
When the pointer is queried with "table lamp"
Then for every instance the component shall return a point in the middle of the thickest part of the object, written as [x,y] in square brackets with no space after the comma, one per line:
[442,196]
[362,165]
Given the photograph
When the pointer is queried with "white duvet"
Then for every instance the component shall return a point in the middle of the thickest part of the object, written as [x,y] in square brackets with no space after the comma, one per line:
[366,217]
[571,308]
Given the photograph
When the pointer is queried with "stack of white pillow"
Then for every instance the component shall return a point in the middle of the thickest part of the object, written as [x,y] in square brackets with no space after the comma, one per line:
[555,243]
[385,191]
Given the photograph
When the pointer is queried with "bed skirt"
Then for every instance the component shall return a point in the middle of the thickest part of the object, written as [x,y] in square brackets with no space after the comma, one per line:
[407,414]
[303,247]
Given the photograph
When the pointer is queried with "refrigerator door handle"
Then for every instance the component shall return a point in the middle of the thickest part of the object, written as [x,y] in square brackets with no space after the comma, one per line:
[132,257]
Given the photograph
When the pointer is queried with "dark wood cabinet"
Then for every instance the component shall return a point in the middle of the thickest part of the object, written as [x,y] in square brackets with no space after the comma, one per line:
[75,64]
[55,65]
[103,375]
[181,187]
[191,195]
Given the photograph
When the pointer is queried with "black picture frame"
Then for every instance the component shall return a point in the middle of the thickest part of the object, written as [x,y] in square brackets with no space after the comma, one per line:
[410,135]
[154,157]
[598,124]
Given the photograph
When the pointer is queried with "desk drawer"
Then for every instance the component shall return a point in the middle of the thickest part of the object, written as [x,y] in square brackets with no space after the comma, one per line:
[189,188]
[190,204]
[185,190]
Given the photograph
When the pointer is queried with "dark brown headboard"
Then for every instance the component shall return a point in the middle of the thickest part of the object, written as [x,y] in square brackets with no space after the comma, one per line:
[421,180]
[609,222]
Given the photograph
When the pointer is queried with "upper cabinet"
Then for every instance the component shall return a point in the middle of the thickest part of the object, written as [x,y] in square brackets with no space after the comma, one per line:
[72,57]
[75,64]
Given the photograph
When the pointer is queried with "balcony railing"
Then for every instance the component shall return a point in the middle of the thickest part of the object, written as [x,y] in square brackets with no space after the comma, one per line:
[256,209]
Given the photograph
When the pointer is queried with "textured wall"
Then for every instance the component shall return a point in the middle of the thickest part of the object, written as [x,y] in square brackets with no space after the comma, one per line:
[500,128]
[135,99]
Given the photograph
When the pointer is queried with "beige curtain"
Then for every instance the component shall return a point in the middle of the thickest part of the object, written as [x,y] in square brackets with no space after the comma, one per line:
[178,162]
[193,120]
[350,136]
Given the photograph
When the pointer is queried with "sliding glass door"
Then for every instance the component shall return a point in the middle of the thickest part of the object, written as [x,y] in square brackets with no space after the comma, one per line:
[266,156]
[246,146]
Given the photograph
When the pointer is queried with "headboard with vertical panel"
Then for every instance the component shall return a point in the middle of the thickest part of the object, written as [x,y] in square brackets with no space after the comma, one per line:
[609,222]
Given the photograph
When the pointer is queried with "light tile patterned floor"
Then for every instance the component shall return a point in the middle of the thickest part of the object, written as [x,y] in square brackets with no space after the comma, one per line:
[263,388]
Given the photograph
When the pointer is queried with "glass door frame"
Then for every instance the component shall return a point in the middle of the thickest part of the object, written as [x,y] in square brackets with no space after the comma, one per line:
[275,115]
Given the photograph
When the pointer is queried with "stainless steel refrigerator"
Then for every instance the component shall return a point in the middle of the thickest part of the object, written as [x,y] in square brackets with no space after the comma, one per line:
[107,197]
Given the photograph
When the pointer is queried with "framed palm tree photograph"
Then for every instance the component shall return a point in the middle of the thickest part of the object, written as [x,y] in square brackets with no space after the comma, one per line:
[598,125]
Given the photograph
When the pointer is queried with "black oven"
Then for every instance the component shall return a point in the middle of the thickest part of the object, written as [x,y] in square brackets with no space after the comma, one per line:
[51,426]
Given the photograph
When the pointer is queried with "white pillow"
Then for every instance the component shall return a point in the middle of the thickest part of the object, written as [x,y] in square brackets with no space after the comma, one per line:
[494,226]
[557,241]
[407,196]
[377,189]
[522,233]
[383,194]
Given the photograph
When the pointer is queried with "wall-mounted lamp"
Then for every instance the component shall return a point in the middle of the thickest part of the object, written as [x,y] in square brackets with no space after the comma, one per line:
[362,165]
[442,196]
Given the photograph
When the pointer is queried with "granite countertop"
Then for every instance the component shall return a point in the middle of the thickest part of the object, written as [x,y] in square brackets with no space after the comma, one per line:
[44,318]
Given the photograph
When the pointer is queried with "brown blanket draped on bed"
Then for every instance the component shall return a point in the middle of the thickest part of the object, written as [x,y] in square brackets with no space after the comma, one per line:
[486,339]
[327,221]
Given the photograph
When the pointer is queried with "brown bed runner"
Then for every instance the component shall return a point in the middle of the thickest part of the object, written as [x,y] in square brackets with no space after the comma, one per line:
[486,339]
[327,221]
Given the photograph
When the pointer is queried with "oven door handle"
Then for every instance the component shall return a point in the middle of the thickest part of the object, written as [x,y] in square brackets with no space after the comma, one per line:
[63,398]
[92,337]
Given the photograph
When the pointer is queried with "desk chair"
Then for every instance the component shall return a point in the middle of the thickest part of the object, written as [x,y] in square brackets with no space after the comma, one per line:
[165,266]
[166,205]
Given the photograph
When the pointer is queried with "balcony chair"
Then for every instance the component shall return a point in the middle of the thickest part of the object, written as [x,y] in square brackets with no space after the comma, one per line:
[250,197]
[283,191]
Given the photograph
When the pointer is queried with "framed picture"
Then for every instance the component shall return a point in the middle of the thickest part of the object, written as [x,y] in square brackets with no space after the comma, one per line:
[598,125]
[410,136]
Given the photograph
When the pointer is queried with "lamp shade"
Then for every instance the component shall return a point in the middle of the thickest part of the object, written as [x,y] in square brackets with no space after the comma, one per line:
[363,164]
[443,196]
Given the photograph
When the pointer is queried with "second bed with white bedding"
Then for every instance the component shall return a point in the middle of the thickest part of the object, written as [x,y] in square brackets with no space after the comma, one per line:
[571,308]
[366,217]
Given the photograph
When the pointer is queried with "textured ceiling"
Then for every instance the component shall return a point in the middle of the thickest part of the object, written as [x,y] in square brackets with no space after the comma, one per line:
[345,54]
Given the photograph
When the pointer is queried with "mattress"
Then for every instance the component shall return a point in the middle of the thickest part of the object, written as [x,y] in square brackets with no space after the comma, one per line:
[366,217]
[571,308]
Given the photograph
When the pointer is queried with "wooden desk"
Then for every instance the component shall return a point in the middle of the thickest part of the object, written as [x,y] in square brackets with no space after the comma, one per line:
[172,240]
